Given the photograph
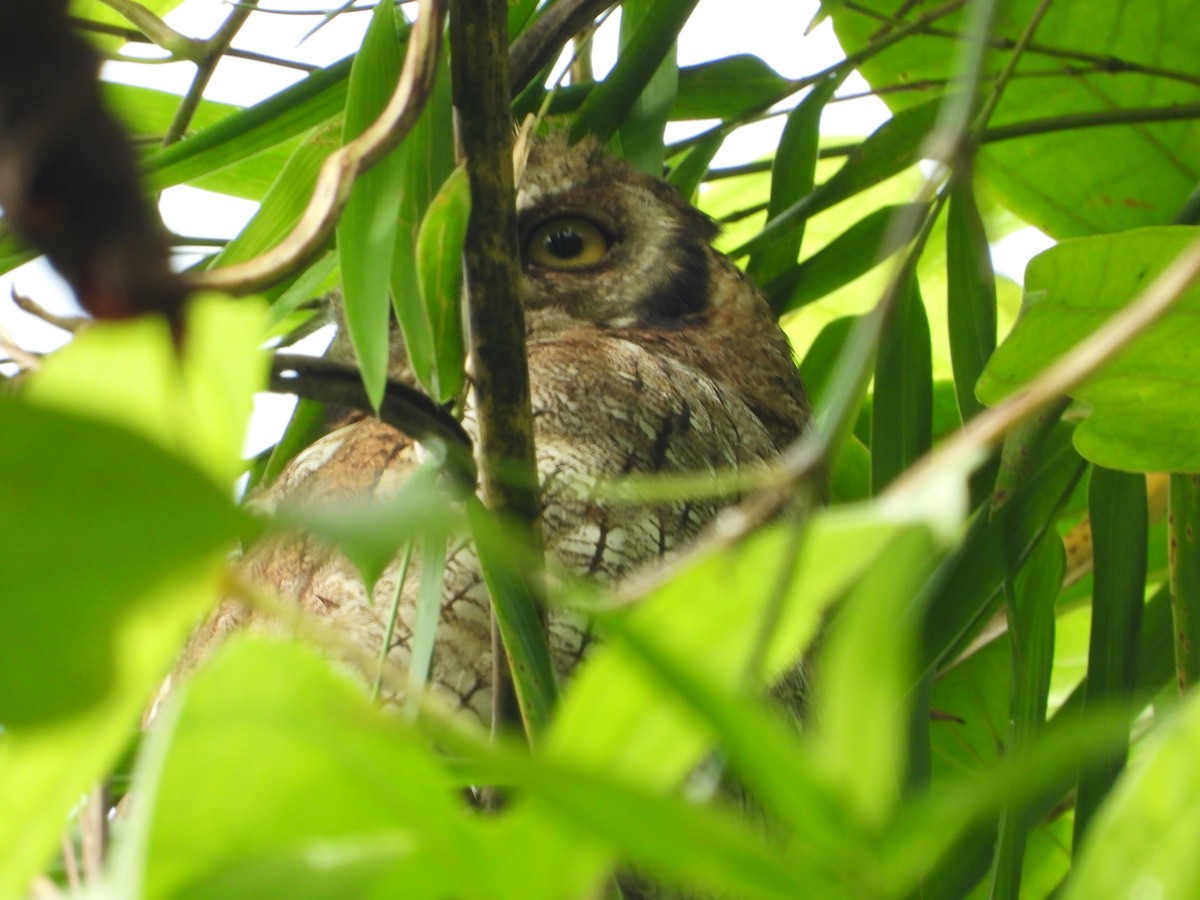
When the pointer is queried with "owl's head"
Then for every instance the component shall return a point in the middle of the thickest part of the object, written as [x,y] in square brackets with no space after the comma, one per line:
[606,244]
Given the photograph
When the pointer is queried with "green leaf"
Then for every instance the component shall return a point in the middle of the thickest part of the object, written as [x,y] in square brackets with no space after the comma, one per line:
[793,173]
[1117,507]
[1142,837]
[854,252]
[1140,408]
[861,710]
[971,294]
[689,171]
[439,279]
[367,229]
[372,532]
[609,103]
[128,373]
[613,717]
[113,549]
[1031,639]
[506,561]
[641,132]
[726,88]
[281,117]
[891,149]
[269,767]
[1120,177]
[432,331]
[284,201]
[967,587]
[902,405]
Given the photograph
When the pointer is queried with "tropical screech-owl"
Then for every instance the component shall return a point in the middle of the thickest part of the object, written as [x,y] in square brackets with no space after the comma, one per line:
[649,352]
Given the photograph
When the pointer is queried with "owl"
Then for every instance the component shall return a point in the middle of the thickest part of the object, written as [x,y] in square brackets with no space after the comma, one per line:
[649,352]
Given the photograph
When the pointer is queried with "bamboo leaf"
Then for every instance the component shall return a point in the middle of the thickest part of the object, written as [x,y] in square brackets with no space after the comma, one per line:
[1031,640]
[902,406]
[641,132]
[430,315]
[793,173]
[1117,507]
[971,294]
[854,252]
[283,116]
[609,103]
[891,149]
[439,279]
[367,228]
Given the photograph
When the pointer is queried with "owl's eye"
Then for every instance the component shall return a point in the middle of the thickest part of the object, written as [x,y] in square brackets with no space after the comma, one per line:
[566,242]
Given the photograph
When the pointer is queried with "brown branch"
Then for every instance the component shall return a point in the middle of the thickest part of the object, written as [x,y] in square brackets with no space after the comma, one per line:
[405,408]
[540,43]
[343,166]
[500,370]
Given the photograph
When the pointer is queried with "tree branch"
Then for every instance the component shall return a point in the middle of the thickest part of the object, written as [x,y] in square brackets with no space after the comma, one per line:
[508,471]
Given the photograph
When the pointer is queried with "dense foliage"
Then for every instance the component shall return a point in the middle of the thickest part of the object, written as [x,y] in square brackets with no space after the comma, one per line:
[1003,705]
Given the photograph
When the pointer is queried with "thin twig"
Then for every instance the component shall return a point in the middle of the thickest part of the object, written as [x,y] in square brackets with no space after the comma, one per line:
[343,166]
[206,65]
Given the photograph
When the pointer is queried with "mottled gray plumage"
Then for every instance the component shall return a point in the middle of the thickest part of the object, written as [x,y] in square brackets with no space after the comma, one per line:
[657,356]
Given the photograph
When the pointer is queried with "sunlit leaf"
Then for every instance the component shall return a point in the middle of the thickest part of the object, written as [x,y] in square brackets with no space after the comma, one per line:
[271,768]
[439,279]
[1140,411]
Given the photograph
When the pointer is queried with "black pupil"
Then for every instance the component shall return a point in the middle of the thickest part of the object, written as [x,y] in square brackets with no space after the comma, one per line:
[564,243]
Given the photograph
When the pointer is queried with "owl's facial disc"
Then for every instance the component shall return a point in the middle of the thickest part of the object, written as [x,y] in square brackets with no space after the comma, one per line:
[567,242]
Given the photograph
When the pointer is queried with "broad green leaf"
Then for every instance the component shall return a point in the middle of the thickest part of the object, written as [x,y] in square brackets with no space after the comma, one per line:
[46,768]
[1142,837]
[614,717]
[1119,177]
[367,228]
[862,709]
[197,406]
[793,173]
[114,549]
[608,104]
[1140,408]
[271,768]
[439,279]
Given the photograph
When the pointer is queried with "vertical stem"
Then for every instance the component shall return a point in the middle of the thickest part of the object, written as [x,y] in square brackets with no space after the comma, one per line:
[500,370]
[1184,502]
